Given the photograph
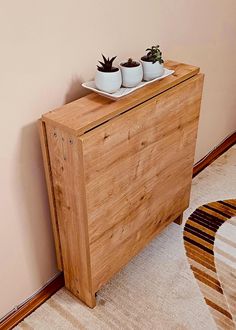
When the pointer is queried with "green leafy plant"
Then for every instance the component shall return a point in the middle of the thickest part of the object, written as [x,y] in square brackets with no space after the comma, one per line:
[154,55]
[130,63]
[107,64]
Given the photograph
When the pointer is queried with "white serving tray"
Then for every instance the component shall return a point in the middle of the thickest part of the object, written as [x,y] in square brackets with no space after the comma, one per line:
[123,91]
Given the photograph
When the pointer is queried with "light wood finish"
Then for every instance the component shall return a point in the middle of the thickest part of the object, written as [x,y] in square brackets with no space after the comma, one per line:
[67,172]
[121,171]
[88,112]
[138,169]
[57,283]
[51,197]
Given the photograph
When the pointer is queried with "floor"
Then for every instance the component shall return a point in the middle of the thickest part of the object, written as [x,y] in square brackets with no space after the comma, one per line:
[157,289]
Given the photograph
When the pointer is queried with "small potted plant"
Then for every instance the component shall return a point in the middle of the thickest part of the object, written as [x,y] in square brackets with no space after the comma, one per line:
[132,73]
[108,78]
[152,63]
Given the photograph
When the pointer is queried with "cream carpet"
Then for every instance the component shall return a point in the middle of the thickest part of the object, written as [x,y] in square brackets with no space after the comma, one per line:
[157,289]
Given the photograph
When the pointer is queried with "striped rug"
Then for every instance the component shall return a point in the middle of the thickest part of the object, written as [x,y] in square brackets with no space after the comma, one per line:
[210,244]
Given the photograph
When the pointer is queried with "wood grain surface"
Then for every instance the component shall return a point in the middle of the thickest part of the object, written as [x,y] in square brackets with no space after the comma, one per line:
[119,172]
[138,169]
[67,173]
[92,110]
[50,189]
[31,304]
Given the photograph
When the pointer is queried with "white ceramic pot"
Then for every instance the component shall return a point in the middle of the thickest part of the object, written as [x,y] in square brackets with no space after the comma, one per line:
[152,70]
[108,82]
[131,76]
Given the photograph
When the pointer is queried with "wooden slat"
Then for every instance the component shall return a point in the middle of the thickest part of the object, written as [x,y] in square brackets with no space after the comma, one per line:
[51,197]
[67,170]
[138,170]
[92,110]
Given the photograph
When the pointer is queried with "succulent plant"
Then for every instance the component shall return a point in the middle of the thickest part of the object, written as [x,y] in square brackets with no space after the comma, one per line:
[130,63]
[106,66]
[154,55]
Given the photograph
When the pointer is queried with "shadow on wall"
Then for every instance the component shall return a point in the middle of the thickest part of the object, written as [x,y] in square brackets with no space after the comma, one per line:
[39,245]
[75,90]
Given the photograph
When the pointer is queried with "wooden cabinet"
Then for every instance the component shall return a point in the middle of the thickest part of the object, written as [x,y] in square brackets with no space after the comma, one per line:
[118,173]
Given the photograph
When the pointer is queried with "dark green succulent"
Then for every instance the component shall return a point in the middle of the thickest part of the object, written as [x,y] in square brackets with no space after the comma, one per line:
[106,66]
[154,55]
[130,63]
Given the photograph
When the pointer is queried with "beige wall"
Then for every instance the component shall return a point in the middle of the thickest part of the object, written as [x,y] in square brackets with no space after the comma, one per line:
[47,49]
